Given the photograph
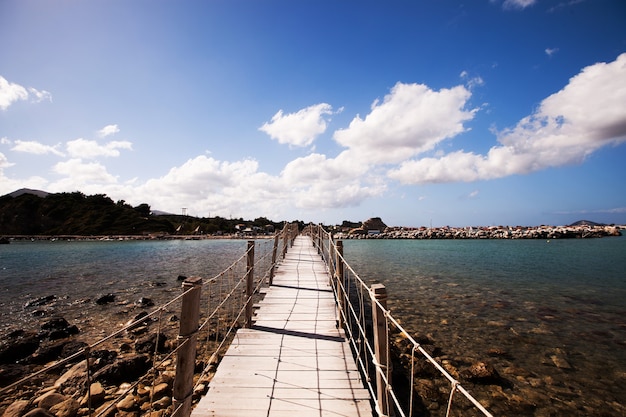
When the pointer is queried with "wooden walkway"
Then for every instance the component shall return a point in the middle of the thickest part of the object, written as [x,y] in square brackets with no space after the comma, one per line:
[294,361]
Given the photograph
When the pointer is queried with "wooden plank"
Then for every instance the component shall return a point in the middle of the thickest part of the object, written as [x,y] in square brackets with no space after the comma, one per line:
[294,360]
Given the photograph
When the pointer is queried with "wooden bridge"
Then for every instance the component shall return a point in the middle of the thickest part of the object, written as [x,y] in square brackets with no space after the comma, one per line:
[294,361]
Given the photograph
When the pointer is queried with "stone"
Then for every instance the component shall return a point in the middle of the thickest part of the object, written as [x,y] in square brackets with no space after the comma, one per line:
[483,373]
[148,343]
[74,376]
[11,373]
[145,302]
[97,393]
[38,412]
[161,390]
[18,345]
[67,408]
[123,370]
[57,328]
[105,299]
[50,399]
[127,403]
[16,409]
[106,410]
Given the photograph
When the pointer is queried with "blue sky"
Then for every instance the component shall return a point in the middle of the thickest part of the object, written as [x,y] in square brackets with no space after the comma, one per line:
[483,112]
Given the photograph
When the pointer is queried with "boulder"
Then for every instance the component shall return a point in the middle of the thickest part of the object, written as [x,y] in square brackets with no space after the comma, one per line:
[375,223]
[123,370]
[12,372]
[57,328]
[148,343]
[38,412]
[49,399]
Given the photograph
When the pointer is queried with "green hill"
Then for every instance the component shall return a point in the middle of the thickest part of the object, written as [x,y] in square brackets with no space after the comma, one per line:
[25,212]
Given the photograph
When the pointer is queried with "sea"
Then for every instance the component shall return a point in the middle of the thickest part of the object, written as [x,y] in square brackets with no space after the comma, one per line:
[554,311]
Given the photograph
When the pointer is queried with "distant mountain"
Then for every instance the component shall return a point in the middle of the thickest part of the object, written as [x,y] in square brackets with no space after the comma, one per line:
[586,223]
[21,191]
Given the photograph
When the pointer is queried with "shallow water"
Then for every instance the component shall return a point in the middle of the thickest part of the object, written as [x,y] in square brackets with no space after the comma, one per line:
[538,301]
[534,300]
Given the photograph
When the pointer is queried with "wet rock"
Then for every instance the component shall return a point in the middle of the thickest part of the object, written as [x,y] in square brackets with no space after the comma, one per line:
[139,320]
[122,370]
[105,299]
[148,344]
[483,373]
[16,409]
[181,278]
[37,302]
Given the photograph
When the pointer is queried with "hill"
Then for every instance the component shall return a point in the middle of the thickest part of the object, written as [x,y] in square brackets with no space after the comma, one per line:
[33,212]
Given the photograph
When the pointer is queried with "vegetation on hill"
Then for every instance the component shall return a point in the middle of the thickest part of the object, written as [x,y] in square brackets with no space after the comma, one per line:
[78,214]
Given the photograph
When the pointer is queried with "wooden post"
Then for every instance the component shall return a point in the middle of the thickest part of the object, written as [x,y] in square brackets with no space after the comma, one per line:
[285,239]
[274,250]
[249,282]
[341,295]
[381,346]
[187,336]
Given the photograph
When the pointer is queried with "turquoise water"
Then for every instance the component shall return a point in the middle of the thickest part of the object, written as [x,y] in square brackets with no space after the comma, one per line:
[531,300]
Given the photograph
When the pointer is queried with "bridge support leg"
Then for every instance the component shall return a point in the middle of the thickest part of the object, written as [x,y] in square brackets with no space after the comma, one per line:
[187,337]
[381,347]
[249,283]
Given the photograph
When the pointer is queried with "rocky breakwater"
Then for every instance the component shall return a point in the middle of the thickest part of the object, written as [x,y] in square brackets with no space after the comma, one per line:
[492,232]
[114,368]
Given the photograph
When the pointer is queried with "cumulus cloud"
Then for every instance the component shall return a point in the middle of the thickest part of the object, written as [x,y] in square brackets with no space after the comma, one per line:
[300,128]
[11,92]
[82,148]
[78,173]
[108,130]
[566,127]
[4,162]
[33,147]
[411,119]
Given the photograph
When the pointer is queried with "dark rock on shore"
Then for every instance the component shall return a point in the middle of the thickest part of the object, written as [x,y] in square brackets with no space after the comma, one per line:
[105,299]
[148,344]
[38,302]
[123,370]
[57,328]
[18,345]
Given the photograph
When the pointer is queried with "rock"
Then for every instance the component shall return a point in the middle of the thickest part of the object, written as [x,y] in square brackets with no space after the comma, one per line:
[148,343]
[75,376]
[67,408]
[145,302]
[483,373]
[127,403]
[161,390]
[122,370]
[106,410]
[11,373]
[375,223]
[140,319]
[16,409]
[97,393]
[48,400]
[37,302]
[38,412]
[181,278]
[105,299]
[57,328]
[18,345]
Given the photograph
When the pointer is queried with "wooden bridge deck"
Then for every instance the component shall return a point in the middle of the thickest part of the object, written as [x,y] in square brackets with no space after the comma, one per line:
[294,361]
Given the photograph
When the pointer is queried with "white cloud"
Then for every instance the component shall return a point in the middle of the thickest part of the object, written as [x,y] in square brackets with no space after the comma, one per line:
[300,128]
[411,119]
[565,129]
[4,162]
[4,141]
[518,4]
[78,174]
[108,130]
[11,92]
[551,51]
[33,147]
[82,148]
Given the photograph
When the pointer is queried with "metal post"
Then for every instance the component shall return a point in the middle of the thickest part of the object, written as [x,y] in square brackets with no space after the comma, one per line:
[381,346]
[186,357]
[249,282]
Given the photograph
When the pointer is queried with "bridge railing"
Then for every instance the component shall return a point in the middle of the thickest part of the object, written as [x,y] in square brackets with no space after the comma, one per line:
[369,324]
[172,368]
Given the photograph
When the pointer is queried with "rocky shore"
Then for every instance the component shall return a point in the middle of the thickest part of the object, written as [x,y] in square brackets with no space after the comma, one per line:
[492,232]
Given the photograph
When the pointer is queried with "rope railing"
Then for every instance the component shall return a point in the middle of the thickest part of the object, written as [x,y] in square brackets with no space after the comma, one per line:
[368,323]
[222,309]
